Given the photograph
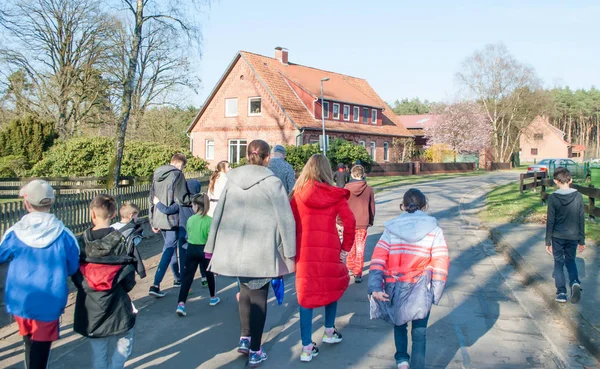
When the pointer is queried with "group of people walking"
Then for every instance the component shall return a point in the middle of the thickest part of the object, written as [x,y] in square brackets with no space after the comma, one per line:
[257,223]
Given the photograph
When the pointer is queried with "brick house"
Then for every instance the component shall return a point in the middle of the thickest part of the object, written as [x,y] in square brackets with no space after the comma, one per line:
[541,140]
[416,125]
[259,97]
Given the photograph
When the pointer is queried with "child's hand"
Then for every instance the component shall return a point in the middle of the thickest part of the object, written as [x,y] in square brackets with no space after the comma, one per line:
[549,250]
[343,256]
[581,248]
[155,200]
[155,230]
[381,296]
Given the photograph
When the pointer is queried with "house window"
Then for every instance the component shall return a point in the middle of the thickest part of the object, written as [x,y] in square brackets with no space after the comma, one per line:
[534,151]
[372,149]
[237,150]
[326,109]
[336,111]
[374,116]
[210,150]
[365,115]
[347,113]
[362,143]
[231,107]
[254,106]
[356,116]
[538,136]
[386,149]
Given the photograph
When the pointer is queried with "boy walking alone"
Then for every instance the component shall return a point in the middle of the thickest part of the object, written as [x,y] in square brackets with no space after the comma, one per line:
[565,233]
[43,253]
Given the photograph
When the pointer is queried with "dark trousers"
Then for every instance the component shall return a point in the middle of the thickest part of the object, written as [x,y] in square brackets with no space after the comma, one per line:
[37,353]
[253,313]
[193,259]
[564,252]
[418,334]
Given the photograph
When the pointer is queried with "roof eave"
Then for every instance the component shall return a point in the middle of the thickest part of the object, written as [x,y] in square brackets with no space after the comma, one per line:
[357,133]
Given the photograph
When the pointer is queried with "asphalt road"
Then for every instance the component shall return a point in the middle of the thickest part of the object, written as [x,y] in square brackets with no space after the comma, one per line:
[486,319]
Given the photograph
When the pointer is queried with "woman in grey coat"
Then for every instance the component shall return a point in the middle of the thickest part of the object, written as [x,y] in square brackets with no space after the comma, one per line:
[253,237]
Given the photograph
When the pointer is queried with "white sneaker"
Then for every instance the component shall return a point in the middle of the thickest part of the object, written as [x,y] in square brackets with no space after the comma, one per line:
[309,352]
[403,365]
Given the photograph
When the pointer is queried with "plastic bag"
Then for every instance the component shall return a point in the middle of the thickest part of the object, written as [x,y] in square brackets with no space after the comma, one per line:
[278,289]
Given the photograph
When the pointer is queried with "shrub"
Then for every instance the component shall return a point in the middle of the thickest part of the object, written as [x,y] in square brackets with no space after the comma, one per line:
[297,156]
[12,166]
[342,151]
[93,156]
[27,138]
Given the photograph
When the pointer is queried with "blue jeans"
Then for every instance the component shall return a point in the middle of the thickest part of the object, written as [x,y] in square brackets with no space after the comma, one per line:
[564,252]
[172,240]
[121,347]
[419,338]
[306,316]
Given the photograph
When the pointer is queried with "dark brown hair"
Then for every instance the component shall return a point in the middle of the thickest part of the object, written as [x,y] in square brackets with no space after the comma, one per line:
[213,178]
[258,152]
[105,206]
[562,175]
[202,202]
[178,158]
[414,200]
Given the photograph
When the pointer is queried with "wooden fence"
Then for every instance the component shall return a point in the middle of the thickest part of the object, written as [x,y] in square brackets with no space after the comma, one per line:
[73,209]
[538,181]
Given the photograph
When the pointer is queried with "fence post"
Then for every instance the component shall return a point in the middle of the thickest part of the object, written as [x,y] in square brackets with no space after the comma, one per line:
[521,182]
[535,181]
[543,193]
[592,205]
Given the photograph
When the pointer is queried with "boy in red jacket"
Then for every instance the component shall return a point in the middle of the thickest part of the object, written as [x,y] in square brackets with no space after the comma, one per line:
[362,204]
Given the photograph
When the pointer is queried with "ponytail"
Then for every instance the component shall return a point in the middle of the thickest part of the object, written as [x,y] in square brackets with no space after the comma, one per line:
[216,174]
[414,200]
[258,152]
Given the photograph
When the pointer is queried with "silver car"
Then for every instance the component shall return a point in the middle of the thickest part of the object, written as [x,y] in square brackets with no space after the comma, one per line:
[544,165]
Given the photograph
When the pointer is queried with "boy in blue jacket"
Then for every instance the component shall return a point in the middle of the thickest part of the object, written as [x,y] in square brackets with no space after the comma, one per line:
[42,253]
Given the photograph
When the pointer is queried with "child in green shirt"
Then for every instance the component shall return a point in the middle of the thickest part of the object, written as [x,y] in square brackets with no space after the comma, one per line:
[198,226]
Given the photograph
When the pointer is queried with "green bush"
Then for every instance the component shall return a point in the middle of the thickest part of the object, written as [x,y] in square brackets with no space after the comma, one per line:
[297,156]
[340,151]
[92,157]
[12,166]
[27,138]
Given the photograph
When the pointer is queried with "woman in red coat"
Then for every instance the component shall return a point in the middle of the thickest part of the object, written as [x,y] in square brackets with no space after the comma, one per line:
[321,273]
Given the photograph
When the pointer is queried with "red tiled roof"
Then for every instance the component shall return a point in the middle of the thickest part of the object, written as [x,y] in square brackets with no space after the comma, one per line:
[273,74]
[578,148]
[416,121]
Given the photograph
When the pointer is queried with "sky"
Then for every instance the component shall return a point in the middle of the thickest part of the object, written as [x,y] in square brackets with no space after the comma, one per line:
[404,49]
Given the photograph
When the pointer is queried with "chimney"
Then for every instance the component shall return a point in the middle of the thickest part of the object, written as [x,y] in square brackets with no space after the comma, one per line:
[281,54]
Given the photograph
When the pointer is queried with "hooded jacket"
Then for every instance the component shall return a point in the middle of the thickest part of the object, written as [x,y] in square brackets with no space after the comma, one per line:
[410,263]
[106,275]
[566,217]
[341,177]
[321,277]
[252,232]
[362,203]
[168,184]
[43,253]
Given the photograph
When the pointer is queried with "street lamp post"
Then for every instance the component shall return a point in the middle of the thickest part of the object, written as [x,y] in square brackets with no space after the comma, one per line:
[323,116]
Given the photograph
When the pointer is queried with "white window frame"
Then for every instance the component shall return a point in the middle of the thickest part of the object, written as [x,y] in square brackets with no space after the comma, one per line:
[344,113]
[373,147]
[237,140]
[362,143]
[374,112]
[213,149]
[237,107]
[250,113]
[338,111]
[386,151]
[365,119]
[356,117]
[326,110]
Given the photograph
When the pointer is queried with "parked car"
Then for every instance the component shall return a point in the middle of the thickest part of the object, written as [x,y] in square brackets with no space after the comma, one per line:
[545,165]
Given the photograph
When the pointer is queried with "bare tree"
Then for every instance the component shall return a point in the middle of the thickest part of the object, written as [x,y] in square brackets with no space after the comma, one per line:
[507,89]
[172,16]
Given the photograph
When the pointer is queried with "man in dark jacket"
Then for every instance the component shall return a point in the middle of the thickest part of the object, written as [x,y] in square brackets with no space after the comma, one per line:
[341,176]
[565,231]
[169,186]
[103,310]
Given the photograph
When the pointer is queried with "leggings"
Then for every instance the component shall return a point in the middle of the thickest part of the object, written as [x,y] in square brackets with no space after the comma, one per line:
[37,353]
[194,258]
[253,313]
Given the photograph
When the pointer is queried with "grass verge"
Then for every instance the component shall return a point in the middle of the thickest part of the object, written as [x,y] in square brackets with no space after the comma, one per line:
[383,183]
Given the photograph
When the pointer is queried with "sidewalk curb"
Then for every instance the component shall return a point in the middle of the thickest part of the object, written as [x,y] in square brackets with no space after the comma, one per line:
[579,326]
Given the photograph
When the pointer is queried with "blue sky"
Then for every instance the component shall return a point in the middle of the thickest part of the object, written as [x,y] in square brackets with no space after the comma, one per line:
[405,48]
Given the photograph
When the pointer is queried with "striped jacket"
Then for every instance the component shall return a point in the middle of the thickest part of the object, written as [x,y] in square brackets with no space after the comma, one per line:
[410,263]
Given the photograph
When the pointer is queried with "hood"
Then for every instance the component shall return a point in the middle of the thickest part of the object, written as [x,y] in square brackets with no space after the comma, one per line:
[112,244]
[248,175]
[38,229]
[193,186]
[566,196]
[321,195]
[163,172]
[411,227]
[357,187]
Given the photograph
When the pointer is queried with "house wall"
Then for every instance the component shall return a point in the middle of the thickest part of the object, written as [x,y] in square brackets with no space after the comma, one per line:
[549,146]
[272,125]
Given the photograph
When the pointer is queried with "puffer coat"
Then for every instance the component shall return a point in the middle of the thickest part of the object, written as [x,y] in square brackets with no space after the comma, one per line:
[321,277]
[410,263]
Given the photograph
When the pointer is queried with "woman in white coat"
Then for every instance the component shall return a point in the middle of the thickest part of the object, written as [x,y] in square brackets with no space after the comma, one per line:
[216,185]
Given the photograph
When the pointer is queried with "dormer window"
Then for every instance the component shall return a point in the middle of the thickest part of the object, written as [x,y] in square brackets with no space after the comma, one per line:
[374,116]
[356,115]
[347,113]
[336,111]
[365,115]
[326,109]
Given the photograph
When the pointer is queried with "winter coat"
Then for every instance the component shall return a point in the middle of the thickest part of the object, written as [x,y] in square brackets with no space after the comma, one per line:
[362,203]
[321,277]
[215,194]
[42,253]
[106,275]
[168,184]
[410,263]
[341,177]
[566,217]
[252,232]
[284,171]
